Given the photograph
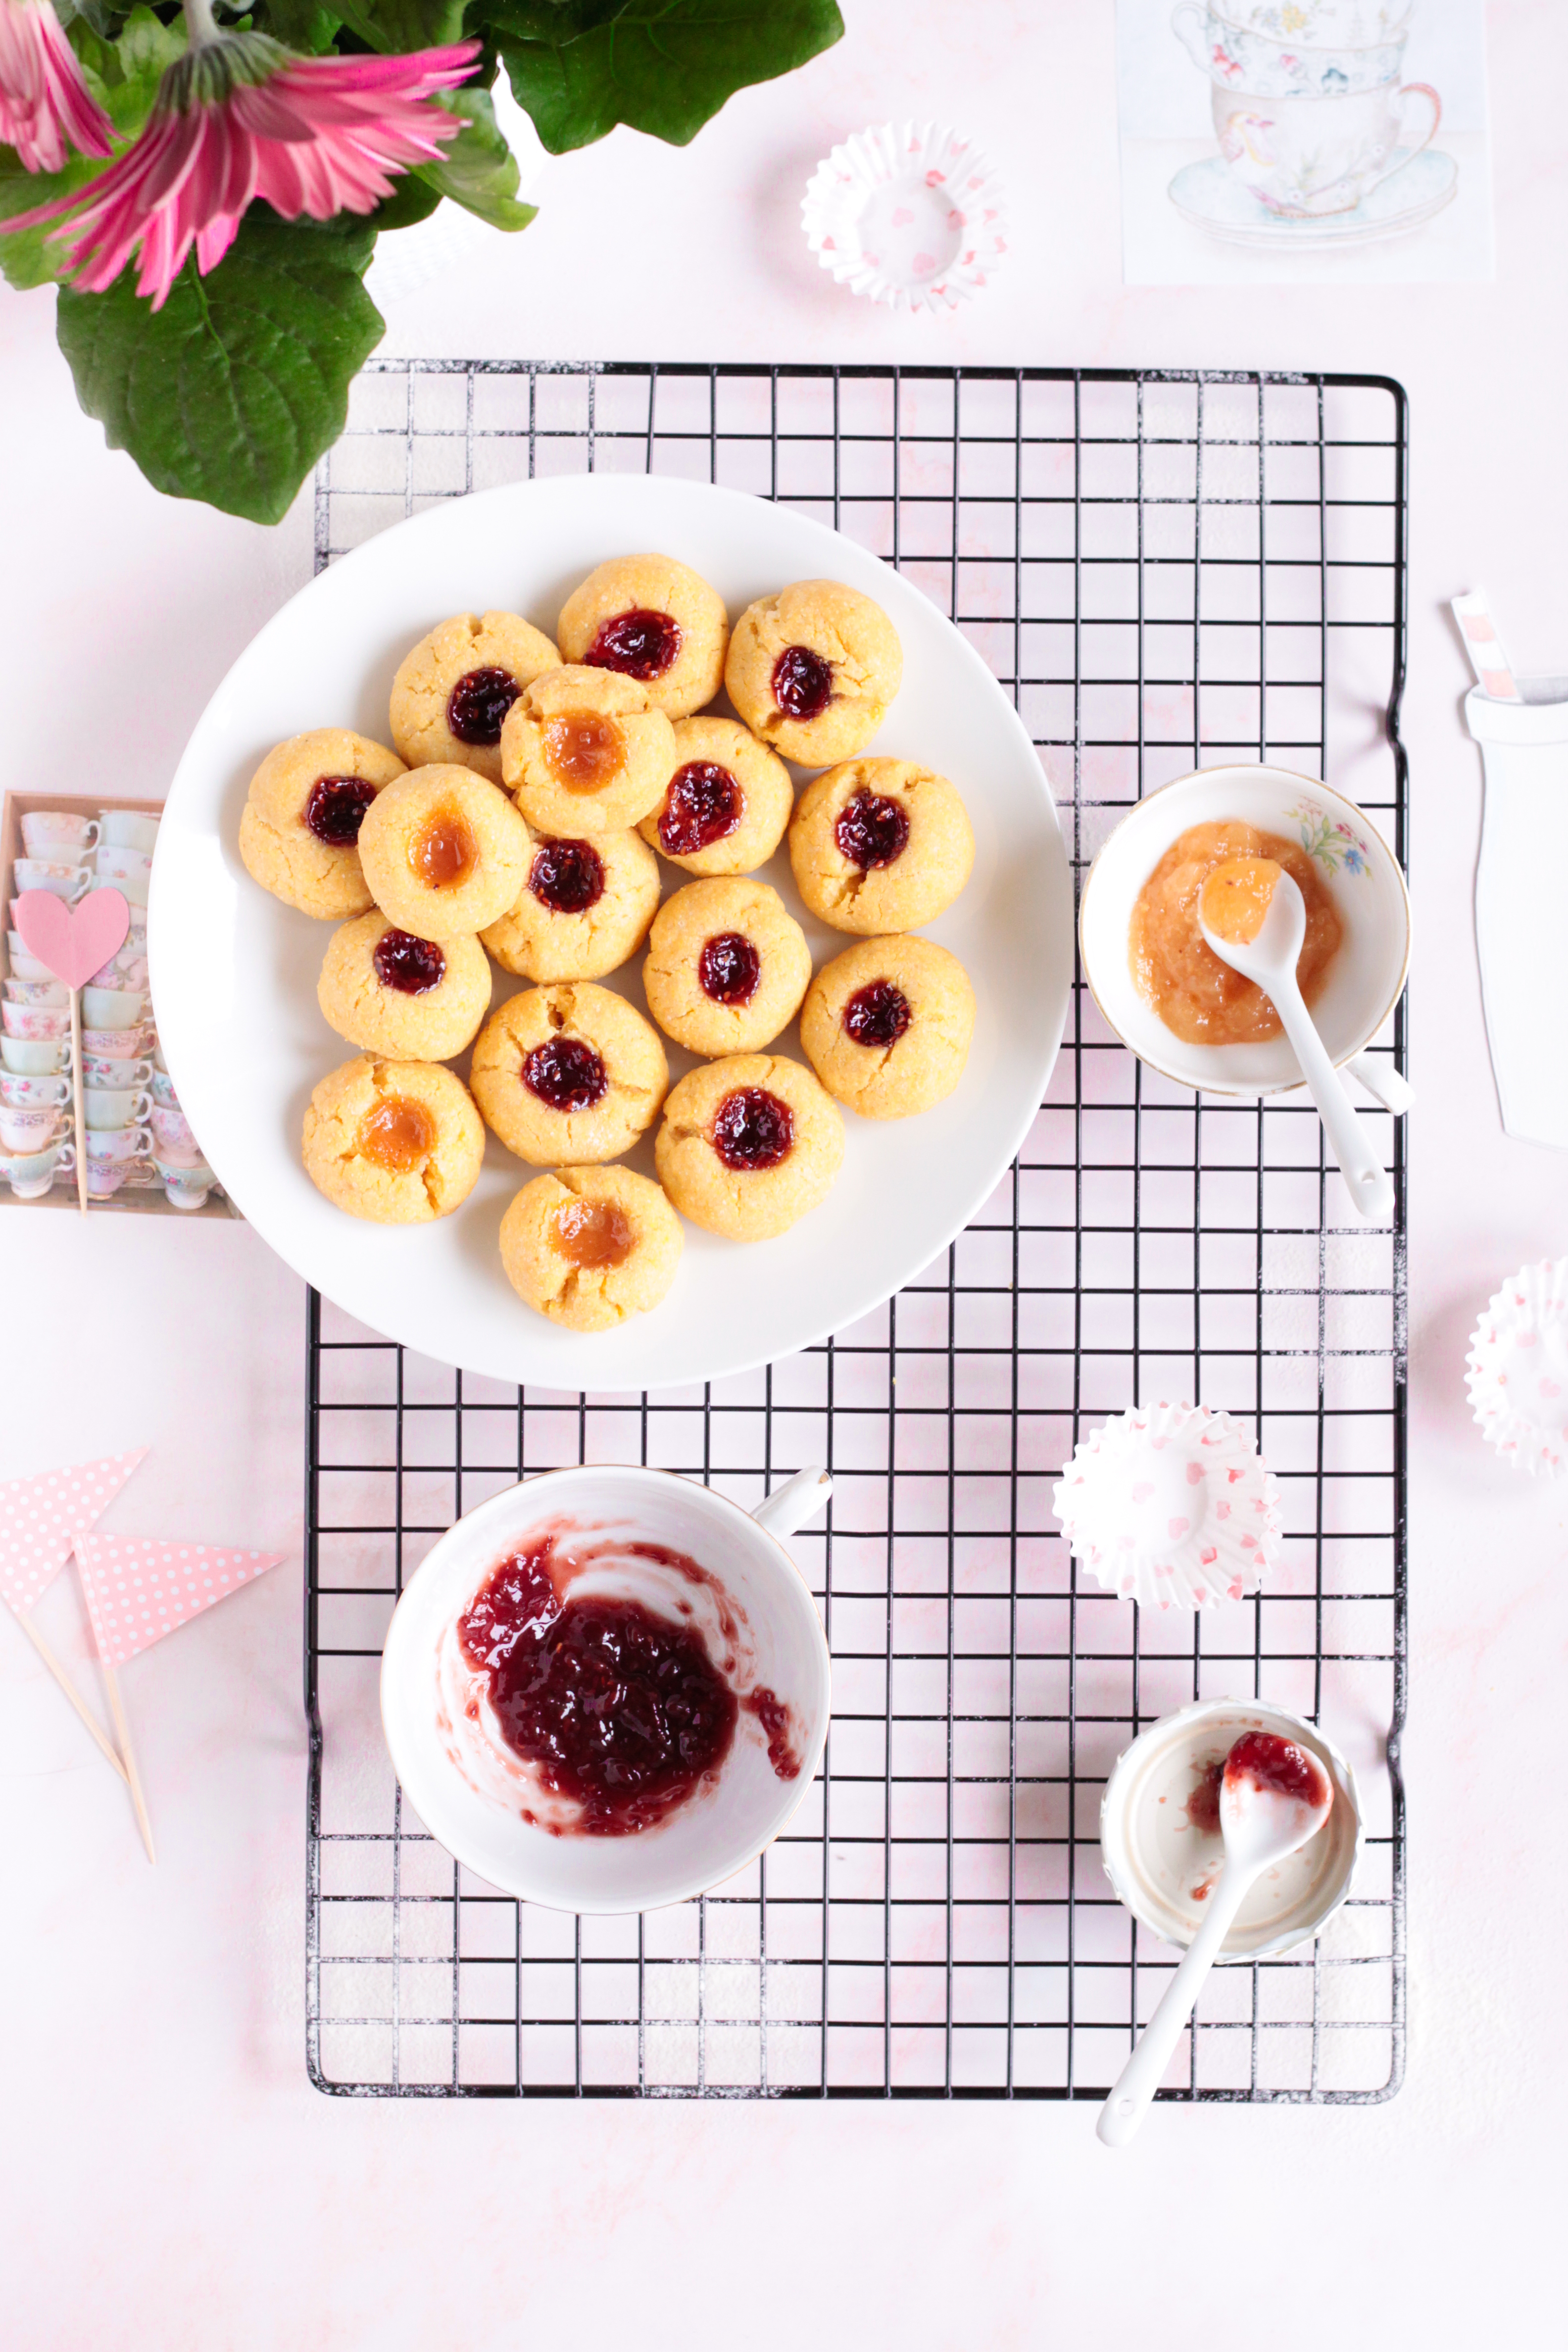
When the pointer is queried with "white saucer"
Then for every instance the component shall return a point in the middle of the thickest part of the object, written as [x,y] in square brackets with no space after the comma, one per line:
[1210,195]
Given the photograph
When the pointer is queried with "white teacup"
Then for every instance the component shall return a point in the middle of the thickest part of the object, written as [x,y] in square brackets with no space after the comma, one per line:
[112,1106]
[129,871]
[59,835]
[23,965]
[30,1127]
[36,873]
[117,1143]
[34,1057]
[129,830]
[123,1044]
[163,1090]
[19,1093]
[472,1801]
[38,991]
[173,1130]
[48,1021]
[31,1173]
[112,1008]
[184,1187]
[113,1070]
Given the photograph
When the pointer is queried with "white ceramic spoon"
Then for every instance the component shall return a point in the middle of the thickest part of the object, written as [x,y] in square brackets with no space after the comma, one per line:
[1274,1795]
[1270,962]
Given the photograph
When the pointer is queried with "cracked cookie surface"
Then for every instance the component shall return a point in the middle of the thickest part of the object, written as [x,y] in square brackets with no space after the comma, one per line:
[298,831]
[453,690]
[590,1247]
[409,999]
[749,1145]
[584,910]
[886,1026]
[398,1143]
[569,1075]
[879,846]
[813,669]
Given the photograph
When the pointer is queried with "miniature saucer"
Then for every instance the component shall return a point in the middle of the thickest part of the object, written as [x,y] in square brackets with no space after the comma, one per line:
[1171,1506]
[1210,195]
[908,214]
[1518,1375]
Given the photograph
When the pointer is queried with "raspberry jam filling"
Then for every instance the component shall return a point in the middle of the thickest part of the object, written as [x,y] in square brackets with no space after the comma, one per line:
[583,750]
[479,703]
[567,876]
[1277,1765]
[777,1729]
[871,830]
[622,1710]
[591,1232]
[877,1014]
[803,683]
[443,852]
[640,644]
[336,810]
[396,1135]
[412,966]
[702,805]
[729,969]
[565,1073]
[753,1129]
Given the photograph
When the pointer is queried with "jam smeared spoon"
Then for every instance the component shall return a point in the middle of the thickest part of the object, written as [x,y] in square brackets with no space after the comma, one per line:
[1274,1795]
[1267,952]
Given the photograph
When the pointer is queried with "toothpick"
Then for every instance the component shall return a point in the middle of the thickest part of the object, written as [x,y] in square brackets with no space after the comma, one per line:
[132,1775]
[76,1100]
[70,1689]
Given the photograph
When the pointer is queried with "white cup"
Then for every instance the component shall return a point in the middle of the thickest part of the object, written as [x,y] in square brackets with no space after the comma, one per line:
[23,965]
[472,1801]
[20,1093]
[31,1173]
[173,1130]
[164,1091]
[60,834]
[28,1129]
[114,1070]
[38,991]
[112,1008]
[118,1143]
[34,1057]
[126,829]
[114,1107]
[129,871]
[184,1187]
[69,882]
[46,1021]
[121,1043]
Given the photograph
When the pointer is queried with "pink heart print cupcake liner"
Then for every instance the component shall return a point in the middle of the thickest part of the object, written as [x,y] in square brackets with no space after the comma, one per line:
[1171,1506]
[908,214]
[1518,1375]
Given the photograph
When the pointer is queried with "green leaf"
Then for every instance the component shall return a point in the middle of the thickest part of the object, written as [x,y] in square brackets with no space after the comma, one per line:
[123,74]
[392,25]
[661,66]
[27,259]
[555,21]
[478,170]
[301,25]
[409,202]
[233,390]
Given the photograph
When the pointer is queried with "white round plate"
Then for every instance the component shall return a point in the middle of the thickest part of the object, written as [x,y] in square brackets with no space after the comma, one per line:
[1210,195]
[234,971]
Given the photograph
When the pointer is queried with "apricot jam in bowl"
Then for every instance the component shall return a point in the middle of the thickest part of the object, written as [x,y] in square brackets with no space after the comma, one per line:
[606,1689]
[1163,992]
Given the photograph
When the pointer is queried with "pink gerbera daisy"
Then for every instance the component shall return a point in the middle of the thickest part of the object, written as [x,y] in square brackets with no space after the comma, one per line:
[46,107]
[239,117]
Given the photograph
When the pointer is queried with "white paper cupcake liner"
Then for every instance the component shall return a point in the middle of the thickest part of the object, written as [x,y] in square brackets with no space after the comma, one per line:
[1518,1375]
[908,214]
[1171,1506]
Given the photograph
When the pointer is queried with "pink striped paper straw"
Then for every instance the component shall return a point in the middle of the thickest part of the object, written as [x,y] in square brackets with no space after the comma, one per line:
[1484,647]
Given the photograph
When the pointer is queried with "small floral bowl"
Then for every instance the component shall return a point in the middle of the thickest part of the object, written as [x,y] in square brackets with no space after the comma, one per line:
[1357,868]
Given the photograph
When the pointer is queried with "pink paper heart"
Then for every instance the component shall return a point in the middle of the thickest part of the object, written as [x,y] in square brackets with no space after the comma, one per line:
[74,942]
[1177,1528]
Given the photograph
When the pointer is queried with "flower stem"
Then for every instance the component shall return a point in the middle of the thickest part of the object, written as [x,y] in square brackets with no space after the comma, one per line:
[201,28]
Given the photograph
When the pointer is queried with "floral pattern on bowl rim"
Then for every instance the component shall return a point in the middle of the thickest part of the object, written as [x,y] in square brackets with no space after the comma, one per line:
[1331,843]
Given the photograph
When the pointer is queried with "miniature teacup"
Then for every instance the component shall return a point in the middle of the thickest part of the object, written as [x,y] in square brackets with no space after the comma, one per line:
[163,1093]
[38,991]
[18,1093]
[113,1070]
[186,1188]
[129,830]
[30,1128]
[129,871]
[116,1143]
[105,1176]
[36,1019]
[36,873]
[23,965]
[112,1008]
[31,1173]
[36,1057]
[58,835]
[173,1130]
[112,1106]
[122,1044]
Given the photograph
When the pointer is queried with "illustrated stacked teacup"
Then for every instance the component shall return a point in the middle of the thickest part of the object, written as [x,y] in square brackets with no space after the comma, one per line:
[1308,107]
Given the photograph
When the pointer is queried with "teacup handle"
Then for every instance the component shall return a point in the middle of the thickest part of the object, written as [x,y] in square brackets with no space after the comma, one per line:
[145,1108]
[1189,33]
[1412,90]
[798,1499]
[96,830]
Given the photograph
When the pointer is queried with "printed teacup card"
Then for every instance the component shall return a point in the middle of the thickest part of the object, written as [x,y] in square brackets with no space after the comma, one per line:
[1308,143]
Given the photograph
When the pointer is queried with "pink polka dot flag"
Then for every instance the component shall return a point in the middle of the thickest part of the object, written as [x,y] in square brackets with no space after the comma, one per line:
[139,1588]
[41,1518]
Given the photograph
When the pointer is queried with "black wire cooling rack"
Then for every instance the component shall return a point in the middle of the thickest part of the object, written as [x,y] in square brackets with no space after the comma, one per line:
[1166,571]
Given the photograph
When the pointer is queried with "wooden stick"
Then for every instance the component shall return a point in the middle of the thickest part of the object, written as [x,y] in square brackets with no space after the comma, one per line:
[69,1689]
[132,1777]
[77,1101]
